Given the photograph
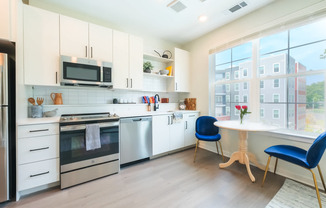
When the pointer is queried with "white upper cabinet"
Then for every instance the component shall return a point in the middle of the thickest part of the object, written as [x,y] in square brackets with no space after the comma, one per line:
[127,61]
[100,42]
[136,62]
[181,71]
[7,20]
[41,46]
[85,40]
[73,37]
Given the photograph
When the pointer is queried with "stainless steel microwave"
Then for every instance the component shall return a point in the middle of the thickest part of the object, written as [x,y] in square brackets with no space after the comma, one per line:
[85,72]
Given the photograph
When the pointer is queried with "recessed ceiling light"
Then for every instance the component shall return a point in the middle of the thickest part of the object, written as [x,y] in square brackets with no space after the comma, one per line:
[202,18]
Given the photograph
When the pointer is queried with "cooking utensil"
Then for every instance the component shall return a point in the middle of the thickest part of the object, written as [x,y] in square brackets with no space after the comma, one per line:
[164,55]
[39,100]
[31,100]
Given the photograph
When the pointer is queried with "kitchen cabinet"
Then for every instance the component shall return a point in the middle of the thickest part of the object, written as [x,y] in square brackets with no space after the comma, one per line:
[85,40]
[41,47]
[37,155]
[7,19]
[189,132]
[127,61]
[167,134]
[181,70]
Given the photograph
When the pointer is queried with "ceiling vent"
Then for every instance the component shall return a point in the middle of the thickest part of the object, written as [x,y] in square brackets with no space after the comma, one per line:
[177,6]
[238,6]
[202,0]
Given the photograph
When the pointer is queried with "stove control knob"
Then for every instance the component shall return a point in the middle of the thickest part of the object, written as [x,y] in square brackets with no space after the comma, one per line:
[115,115]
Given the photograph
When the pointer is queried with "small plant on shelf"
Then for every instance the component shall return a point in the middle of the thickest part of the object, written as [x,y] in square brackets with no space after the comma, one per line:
[147,67]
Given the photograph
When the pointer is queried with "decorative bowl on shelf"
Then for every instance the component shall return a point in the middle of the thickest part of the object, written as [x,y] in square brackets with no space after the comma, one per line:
[164,72]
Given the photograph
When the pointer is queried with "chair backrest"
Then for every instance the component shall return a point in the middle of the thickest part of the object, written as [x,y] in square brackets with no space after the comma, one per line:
[316,150]
[205,125]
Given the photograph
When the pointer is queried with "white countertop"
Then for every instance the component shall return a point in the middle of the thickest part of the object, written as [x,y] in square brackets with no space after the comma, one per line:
[31,121]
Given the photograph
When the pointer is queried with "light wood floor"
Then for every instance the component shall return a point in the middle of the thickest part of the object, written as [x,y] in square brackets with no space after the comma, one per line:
[170,181]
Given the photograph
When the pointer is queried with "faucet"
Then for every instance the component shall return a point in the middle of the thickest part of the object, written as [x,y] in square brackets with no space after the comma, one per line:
[156,106]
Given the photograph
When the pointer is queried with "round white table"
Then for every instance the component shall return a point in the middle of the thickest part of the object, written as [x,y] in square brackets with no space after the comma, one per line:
[242,155]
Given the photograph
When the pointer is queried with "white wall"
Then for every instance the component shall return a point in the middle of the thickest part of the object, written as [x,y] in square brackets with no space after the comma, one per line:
[269,16]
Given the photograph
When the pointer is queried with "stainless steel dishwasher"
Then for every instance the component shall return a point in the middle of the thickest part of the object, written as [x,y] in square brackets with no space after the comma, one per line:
[135,139]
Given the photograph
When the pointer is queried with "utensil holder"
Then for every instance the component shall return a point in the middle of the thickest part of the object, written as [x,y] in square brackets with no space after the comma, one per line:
[35,111]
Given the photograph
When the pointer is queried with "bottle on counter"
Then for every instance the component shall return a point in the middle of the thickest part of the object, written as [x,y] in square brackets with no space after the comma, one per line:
[149,107]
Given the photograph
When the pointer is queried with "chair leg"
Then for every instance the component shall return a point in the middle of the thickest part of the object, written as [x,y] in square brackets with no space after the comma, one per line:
[266,169]
[217,148]
[196,149]
[316,186]
[275,165]
[321,177]
[221,150]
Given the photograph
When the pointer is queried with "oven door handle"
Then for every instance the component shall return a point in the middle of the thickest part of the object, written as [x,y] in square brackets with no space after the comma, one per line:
[83,126]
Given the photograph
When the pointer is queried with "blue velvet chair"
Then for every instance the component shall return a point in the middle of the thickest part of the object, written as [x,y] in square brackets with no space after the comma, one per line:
[307,159]
[207,131]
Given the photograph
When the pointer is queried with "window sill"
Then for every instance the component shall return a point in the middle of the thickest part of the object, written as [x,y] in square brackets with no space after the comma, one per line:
[290,135]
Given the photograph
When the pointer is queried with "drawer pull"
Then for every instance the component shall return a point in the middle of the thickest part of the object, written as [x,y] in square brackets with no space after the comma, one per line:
[33,131]
[39,174]
[44,148]
[192,116]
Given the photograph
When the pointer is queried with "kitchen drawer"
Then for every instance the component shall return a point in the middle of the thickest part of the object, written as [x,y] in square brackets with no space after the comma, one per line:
[38,148]
[37,130]
[39,173]
[190,115]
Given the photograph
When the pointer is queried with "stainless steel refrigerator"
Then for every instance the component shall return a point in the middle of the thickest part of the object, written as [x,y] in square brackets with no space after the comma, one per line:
[4,129]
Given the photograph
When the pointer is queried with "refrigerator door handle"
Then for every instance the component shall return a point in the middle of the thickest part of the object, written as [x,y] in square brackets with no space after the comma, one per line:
[4,179]
[3,80]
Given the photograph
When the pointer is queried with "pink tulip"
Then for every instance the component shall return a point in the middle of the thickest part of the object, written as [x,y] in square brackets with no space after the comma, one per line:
[238,107]
[244,107]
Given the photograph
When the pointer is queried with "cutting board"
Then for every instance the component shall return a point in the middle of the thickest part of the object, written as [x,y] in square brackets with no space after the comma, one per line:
[190,103]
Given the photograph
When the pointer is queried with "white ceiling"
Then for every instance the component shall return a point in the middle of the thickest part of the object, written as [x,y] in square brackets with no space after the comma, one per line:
[154,18]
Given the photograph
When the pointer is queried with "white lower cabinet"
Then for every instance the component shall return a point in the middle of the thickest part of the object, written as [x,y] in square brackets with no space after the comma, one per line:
[170,135]
[38,155]
[190,125]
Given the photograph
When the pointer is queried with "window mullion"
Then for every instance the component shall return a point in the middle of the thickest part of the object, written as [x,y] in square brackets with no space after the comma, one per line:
[254,92]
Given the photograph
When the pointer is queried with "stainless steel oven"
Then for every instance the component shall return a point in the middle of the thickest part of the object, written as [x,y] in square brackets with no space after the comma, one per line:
[77,165]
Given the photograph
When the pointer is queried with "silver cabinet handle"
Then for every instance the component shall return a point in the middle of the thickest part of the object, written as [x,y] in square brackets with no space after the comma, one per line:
[131,83]
[186,124]
[91,52]
[192,116]
[85,51]
[168,120]
[171,120]
[127,82]
[44,148]
[39,130]
[56,77]
[39,174]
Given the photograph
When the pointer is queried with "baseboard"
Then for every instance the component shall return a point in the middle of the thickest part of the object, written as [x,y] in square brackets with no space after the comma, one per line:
[36,189]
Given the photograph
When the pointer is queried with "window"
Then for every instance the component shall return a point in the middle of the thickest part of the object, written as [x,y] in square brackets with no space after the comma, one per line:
[227,111]
[276,68]
[276,98]
[276,83]
[262,113]
[245,85]
[227,98]
[236,112]
[262,84]
[227,75]
[262,98]
[245,72]
[276,113]
[236,98]
[219,99]
[236,75]
[245,98]
[261,70]
[227,87]
[236,87]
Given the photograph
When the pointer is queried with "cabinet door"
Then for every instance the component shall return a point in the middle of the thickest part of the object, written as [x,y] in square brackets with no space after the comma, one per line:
[161,142]
[41,46]
[190,122]
[136,62]
[5,19]
[73,37]
[100,43]
[120,60]
[177,135]
[181,70]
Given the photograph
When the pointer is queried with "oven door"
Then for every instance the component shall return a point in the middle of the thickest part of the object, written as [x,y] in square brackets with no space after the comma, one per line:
[73,148]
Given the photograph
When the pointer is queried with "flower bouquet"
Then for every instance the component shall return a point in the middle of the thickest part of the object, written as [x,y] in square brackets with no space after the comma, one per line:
[243,111]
